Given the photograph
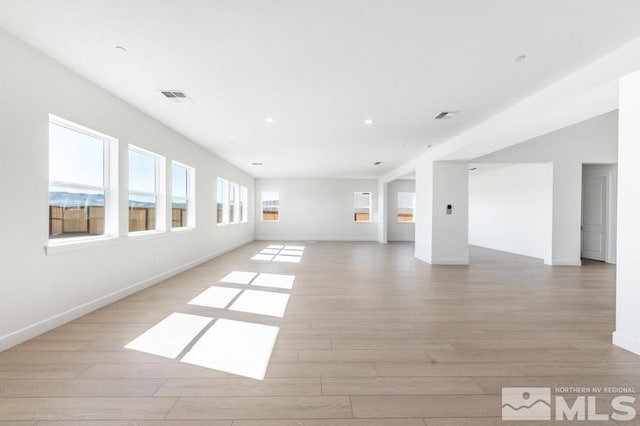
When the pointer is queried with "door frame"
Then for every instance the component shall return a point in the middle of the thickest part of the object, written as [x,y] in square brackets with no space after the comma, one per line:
[606,213]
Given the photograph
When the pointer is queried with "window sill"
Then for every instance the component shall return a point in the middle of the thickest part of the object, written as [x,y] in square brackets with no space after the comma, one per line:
[64,246]
[183,229]
[77,244]
[154,233]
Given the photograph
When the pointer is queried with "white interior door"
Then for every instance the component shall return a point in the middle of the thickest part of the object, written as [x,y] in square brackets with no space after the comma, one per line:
[594,212]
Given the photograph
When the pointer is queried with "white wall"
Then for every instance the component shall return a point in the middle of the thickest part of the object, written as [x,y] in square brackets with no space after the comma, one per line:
[510,209]
[424,211]
[450,243]
[316,209]
[627,334]
[399,231]
[441,238]
[39,291]
[592,141]
[611,172]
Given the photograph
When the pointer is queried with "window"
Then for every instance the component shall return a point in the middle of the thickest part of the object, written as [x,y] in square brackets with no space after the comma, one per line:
[182,194]
[243,204]
[362,206]
[144,193]
[406,206]
[80,204]
[222,202]
[270,206]
[234,203]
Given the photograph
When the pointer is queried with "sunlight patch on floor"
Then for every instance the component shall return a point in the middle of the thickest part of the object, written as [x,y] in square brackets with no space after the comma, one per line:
[216,297]
[170,336]
[235,347]
[269,251]
[261,303]
[262,257]
[274,281]
[239,277]
[288,259]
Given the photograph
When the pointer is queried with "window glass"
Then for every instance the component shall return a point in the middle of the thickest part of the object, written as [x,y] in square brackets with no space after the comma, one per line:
[270,206]
[406,206]
[243,204]
[142,172]
[233,203]
[143,195]
[77,182]
[221,202]
[362,206]
[75,157]
[180,177]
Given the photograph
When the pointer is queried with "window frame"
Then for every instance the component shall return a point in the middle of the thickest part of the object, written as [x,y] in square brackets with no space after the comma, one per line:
[262,207]
[225,201]
[109,183]
[190,200]
[355,206]
[244,204]
[413,207]
[160,193]
[234,202]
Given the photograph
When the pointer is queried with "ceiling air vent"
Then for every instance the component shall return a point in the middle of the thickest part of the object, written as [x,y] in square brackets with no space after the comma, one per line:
[176,96]
[445,115]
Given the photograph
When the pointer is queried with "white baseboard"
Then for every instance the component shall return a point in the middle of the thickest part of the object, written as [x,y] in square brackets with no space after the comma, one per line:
[449,262]
[631,344]
[566,263]
[322,239]
[33,330]
[433,261]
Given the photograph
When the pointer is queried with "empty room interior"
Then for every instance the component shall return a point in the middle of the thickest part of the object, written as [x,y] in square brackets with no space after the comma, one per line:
[319,212]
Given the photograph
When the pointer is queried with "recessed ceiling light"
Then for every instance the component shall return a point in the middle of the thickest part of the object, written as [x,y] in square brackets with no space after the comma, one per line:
[256,164]
[121,48]
[520,58]
[377,163]
[368,122]
[269,120]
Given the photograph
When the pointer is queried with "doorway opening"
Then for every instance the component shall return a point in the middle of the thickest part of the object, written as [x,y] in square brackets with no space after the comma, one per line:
[401,207]
[599,210]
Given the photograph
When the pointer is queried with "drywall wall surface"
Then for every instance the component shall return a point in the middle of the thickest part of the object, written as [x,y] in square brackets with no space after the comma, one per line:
[510,209]
[40,291]
[317,209]
[399,231]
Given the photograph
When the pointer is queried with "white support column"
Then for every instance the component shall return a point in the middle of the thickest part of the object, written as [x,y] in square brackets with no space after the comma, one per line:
[442,234]
[627,334]
[450,243]
[382,211]
[567,213]
[424,211]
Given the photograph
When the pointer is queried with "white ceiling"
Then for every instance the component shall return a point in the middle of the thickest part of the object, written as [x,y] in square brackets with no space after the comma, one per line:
[320,68]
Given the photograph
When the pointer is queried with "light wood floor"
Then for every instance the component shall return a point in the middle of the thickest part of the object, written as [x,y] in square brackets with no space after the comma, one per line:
[370,337]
